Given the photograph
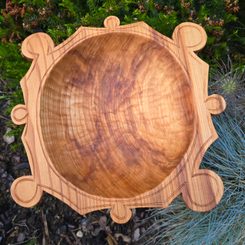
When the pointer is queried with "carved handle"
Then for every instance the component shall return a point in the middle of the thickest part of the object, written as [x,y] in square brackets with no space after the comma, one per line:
[19,114]
[215,104]
[193,36]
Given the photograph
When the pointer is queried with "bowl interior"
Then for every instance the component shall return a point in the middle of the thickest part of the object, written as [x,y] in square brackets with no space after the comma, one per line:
[116,115]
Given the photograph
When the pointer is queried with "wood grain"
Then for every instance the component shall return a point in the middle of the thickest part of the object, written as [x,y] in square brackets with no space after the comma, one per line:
[118,117]
[126,120]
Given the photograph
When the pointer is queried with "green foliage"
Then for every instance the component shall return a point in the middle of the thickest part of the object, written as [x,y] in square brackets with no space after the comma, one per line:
[12,68]
[226,223]
[228,81]
[32,242]
[223,24]
[61,18]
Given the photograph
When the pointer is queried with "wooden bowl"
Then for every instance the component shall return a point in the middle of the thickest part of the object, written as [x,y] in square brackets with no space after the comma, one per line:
[118,117]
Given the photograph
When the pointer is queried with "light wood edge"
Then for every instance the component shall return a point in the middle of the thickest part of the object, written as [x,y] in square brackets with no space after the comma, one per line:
[183,179]
[19,114]
[26,198]
[215,104]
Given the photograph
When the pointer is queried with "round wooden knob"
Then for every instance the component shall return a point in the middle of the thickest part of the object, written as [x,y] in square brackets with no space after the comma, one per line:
[37,44]
[215,104]
[193,36]
[25,191]
[19,114]
[120,213]
[111,22]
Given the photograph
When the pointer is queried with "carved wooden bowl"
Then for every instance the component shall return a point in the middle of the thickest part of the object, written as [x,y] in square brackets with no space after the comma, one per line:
[118,117]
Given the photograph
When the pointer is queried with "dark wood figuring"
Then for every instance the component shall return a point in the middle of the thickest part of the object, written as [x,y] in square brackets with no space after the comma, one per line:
[117,115]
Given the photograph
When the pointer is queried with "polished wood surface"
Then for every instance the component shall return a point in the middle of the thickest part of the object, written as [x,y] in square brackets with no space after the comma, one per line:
[118,117]
[124,116]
